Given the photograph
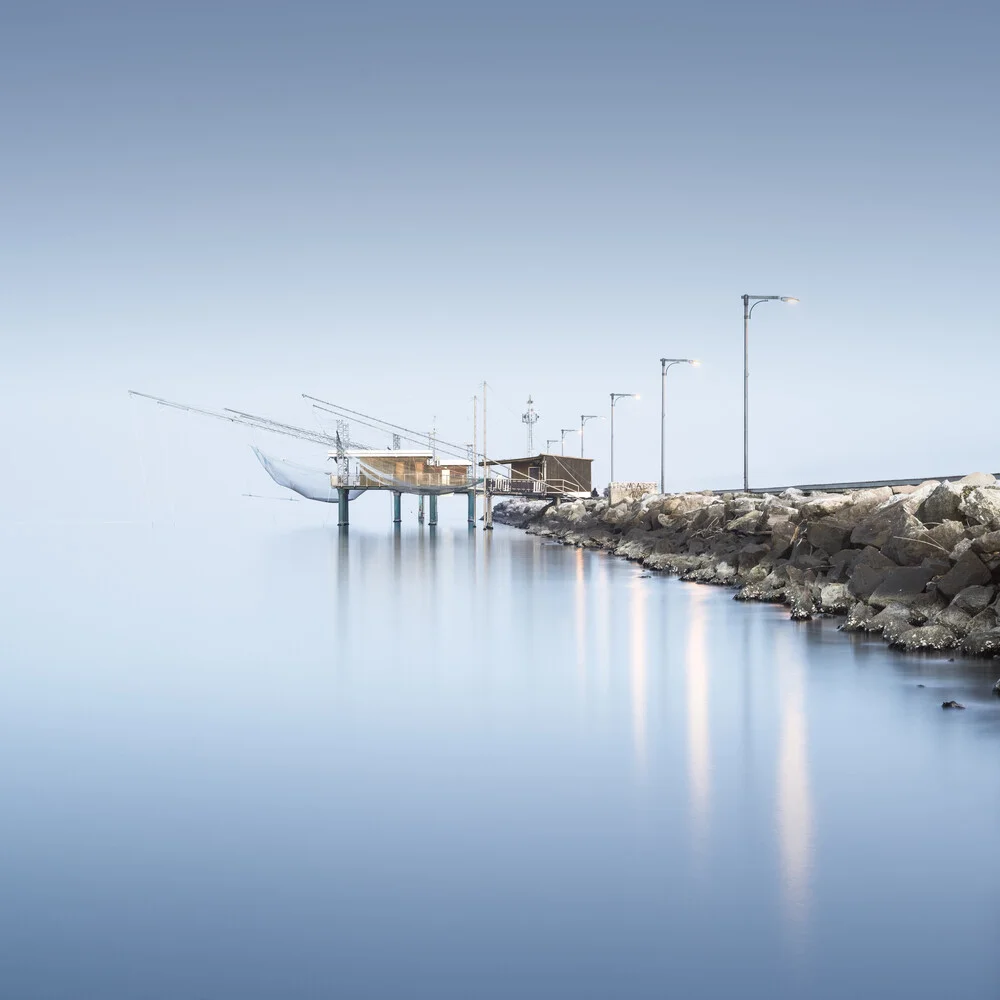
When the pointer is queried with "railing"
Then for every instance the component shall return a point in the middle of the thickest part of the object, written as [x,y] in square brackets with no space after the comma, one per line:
[532,487]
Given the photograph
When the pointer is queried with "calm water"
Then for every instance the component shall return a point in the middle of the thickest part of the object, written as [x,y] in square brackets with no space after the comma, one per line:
[262,761]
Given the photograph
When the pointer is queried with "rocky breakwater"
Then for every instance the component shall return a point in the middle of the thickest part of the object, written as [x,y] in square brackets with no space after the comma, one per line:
[919,566]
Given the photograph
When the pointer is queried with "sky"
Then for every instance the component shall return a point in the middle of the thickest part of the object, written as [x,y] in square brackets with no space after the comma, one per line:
[386,204]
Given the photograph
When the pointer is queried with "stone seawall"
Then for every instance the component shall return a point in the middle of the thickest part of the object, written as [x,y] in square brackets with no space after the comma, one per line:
[919,566]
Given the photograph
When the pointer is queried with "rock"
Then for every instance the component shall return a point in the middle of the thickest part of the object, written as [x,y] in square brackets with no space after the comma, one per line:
[749,556]
[870,569]
[936,637]
[952,704]
[941,505]
[829,534]
[996,689]
[835,599]
[981,505]
[894,630]
[864,500]
[969,571]
[978,479]
[901,586]
[946,535]
[841,564]
[985,621]
[893,614]
[909,545]
[883,524]
[961,547]
[982,643]
[858,618]
[959,621]
[988,543]
[824,504]
[912,500]
[747,524]
[974,599]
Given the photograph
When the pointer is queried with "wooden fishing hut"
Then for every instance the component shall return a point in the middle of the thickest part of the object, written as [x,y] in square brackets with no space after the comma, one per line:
[549,475]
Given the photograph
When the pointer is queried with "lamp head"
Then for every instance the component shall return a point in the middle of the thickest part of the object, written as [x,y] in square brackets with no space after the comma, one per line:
[789,298]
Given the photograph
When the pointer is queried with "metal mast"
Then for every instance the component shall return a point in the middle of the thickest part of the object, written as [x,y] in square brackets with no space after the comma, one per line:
[530,417]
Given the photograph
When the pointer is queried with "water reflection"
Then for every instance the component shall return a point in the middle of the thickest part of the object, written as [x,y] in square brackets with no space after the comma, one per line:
[580,618]
[794,801]
[638,669]
[696,676]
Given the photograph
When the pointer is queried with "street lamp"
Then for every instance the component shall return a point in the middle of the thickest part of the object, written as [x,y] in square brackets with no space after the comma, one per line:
[584,417]
[747,310]
[563,431]
[615,396]
[665,365]
[549,442]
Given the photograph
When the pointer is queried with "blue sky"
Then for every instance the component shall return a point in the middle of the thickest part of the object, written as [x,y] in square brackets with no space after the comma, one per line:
[384,205]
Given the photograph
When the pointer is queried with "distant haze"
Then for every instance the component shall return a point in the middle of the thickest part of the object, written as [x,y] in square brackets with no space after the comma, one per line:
[384,204]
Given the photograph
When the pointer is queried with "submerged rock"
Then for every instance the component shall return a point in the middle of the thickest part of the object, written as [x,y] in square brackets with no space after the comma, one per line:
[952,704]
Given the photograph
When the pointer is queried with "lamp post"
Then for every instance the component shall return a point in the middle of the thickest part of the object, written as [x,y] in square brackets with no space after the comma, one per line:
[563,431]
[665,365]
[747,310]
[615,396]
[584,417]
[549,442]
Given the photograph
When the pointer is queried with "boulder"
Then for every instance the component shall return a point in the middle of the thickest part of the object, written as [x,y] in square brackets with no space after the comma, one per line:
[946,535]
[824,504]
[941,504]
[834,598]
[959,621]
[987,543]
[894,614]
[883,524]
[841,564]
[984,621]
[996,689]
[865,500]
[961,547]
[747,524]
[978,479]
[782,536]
[981,505]
[982,643]
[858,617]
[750,555]
[901,586]
[910,501]
[974,599]
[894,630]
[952,704]
[909,545]
[829,534]
[969,571]
[935,637]
[870,569]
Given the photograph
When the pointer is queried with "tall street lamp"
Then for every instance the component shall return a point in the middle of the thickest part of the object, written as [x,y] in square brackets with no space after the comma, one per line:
[665,365]
[549,442]
[615,396]
[747,310]
[584,417]
[563,431]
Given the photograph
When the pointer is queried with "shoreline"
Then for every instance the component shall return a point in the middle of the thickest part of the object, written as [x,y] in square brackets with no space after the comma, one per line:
[919,565]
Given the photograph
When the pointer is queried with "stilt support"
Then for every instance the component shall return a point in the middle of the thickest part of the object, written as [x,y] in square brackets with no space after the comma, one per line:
[433,504]
[396,508]
[345,518]
[472,508]
[420,508]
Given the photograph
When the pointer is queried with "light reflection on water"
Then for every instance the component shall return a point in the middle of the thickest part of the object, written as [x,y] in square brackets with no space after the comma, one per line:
[441,763]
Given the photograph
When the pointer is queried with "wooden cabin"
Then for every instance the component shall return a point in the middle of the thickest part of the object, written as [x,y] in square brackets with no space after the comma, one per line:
[555,473]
